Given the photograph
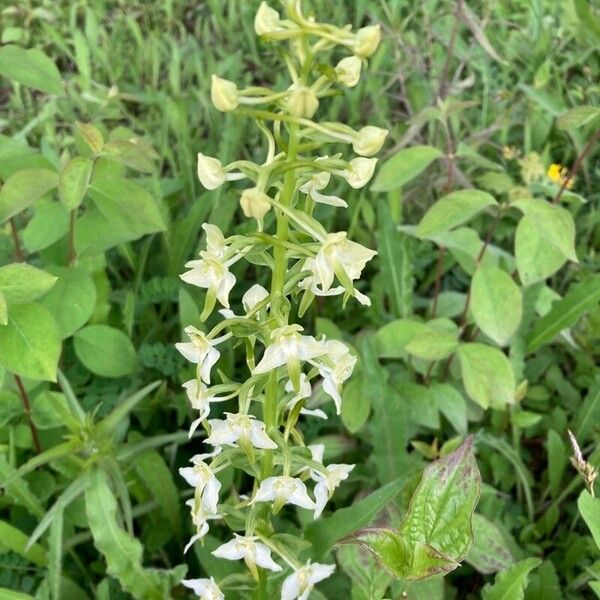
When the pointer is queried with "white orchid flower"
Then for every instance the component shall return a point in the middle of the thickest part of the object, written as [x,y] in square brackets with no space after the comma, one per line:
[239,430]
[252,552]
[336,369]
[256,294]
[304,392]
[327,483]
[200,518]
[200,398]
[255,204]
[368,140]
[212,174]
[348,71]
[224,94]
[338,256]
[201,477]
[311,283]
[205,589]
[318,182]
[300,583]
[359,171]
[200,350]
[288,348]
[283,490]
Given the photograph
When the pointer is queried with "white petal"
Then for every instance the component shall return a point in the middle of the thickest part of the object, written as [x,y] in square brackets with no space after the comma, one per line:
[221,433]
[321,498]
[315,412]
[264,560]
[231,550]
[266,491]
[211,358]
[318,572]
[317,451]
[189,351]
[190,475]
[225,287]
[210,496]
[272,358]
[300,497]
[331,389]
[259,438]
[291,587]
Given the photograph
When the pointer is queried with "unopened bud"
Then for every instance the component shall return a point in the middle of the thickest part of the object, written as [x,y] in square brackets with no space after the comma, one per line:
[224,94]
[348,70]
[302,102]
[359,171]
[210,172]
[366,41]
[267,20]
[368,140]
[255,204]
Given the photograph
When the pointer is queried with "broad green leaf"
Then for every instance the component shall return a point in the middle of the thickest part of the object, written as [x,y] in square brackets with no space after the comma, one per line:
[16,541]
[432,344]
[11,406]
[74,180]
[404,166]
[544,583]
[324,533]
[496,303]
[72,299]
[30,344]
[31,68]
[588,415]
[436,533]
[367,578]
[510,584]
[451,404]
[453,210]
[123,553]
[7,594]
[391,339]
[489,553]
[48,408]
[577,117]
[355,406]
[395,255]
[49,223]
[17,489]
[133,153]
[551,104]
[554,224]
[126,205]
[487,375]
[589,507]
[3,310]
[105,351]
[21,283]
[537,259]
[24,188]
[581,298]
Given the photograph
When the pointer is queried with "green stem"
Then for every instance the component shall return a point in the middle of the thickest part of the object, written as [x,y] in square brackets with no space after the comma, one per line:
[277,287]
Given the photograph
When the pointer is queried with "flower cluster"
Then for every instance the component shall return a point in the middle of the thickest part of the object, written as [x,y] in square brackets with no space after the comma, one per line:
[260,436]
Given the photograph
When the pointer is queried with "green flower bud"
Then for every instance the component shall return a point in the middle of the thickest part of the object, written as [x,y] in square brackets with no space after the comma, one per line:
[368,140]
[366,41]
[224,94]
[302,102]
[267,20]
[348,71]
[255,204]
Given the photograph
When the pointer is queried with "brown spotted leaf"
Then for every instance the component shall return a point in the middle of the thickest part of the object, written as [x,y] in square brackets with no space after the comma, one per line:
[437,531]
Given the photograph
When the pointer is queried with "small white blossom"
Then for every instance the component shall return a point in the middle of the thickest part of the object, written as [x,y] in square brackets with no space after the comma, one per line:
[302,101]
[256,294]
[224,94]
[304,392]
[200,350]
[288,347]
[201,477]
[255,204]
[284,490]
[342,257]
[327,482]
[200,399]
[359,171]
[318,182]
[200,518]
[367,40]
[268,23]
[348,70]
[300,583]
[205,589]
[368,140]
[239,429]
[212,174]
[336,370]
[252,552]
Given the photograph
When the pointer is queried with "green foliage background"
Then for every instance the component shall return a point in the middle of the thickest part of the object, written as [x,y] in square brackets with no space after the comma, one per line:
[519,90]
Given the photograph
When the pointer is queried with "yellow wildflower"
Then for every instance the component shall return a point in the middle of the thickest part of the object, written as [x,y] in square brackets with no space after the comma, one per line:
[557,173]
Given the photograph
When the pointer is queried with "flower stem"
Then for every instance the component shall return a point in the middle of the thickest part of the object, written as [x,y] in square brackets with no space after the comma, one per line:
[277,286]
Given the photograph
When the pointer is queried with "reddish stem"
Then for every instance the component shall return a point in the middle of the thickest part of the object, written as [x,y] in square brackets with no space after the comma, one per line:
[27,409]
